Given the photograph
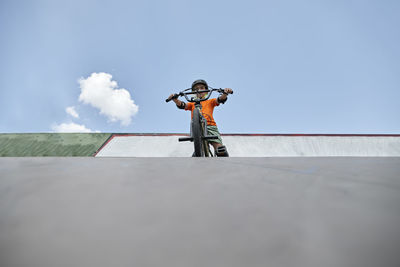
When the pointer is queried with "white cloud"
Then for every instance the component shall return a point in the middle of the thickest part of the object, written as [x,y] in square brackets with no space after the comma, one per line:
[71,111]
[71,128]
[101,92]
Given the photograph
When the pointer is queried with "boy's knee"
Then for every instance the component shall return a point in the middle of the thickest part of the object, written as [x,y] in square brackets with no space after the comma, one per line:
[222,152]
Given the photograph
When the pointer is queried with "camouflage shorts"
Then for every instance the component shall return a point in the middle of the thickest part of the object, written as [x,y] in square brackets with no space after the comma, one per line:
[213,130]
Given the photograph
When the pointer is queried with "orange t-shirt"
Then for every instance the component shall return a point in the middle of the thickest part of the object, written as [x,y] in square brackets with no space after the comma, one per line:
[207,109]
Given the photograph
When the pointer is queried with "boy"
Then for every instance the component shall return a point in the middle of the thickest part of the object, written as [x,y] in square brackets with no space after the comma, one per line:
[207,111]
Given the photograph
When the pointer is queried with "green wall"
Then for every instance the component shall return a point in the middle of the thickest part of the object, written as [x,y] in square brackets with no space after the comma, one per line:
[51,144]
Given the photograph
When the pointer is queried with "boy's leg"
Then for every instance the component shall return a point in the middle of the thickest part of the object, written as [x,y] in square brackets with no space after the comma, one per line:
[215,145]
[219,148]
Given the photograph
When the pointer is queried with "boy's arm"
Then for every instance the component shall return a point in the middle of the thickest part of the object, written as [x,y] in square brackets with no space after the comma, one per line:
[179,104]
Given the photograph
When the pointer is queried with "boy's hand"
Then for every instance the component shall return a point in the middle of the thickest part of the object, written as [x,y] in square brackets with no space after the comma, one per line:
[174,97]
[171,96]
[228,91]
[223,97]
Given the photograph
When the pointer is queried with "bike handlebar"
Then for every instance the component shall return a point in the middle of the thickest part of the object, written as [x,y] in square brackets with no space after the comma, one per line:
[185,94]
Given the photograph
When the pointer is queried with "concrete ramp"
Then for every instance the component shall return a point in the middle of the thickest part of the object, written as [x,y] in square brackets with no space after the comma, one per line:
[180,212]
[253,145]
[226,212]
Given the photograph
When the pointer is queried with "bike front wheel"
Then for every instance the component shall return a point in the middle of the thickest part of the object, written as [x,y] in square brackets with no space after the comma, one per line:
[196,133]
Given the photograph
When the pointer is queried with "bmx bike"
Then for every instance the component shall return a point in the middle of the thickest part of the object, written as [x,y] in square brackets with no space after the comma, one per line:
[198,125]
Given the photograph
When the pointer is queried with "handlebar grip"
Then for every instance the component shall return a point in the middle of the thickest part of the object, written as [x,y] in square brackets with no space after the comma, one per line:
[222,91]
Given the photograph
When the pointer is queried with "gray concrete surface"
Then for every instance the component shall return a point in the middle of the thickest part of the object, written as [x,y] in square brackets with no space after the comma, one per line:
[199,212]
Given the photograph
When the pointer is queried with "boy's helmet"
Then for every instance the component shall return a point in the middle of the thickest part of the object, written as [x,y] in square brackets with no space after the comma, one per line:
[199,82]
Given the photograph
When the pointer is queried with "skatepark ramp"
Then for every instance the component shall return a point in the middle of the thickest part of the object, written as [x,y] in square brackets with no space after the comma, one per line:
[167,145]
[180,212]
[256,145]
[141,200]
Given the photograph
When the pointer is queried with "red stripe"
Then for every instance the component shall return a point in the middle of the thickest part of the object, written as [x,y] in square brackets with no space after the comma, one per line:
[340,135]
[275,134]
[149,134]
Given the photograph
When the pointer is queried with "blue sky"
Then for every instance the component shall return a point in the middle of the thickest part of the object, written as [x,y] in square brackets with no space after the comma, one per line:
[295,66]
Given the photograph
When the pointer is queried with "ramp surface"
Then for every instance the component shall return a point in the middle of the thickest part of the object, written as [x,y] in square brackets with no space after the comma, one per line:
[199,212]
[240,145]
